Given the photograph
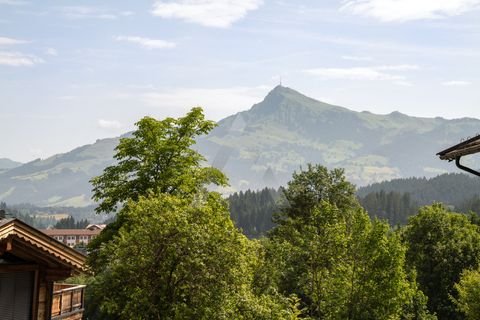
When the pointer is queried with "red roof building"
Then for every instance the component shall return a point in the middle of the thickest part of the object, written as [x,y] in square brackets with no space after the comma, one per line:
[73,237]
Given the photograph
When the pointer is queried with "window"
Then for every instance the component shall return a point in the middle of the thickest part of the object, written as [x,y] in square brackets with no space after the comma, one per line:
[16,291]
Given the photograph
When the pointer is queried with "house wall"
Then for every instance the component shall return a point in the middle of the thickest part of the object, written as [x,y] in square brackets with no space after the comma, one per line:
[44,298]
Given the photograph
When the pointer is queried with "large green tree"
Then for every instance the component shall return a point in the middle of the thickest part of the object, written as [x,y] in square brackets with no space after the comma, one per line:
[328,252]
[441,244]
[178,259]
[157,158]
[173,252]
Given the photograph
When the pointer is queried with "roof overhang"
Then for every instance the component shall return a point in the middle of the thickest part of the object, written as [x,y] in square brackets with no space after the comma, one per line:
[464,148]
[20,239]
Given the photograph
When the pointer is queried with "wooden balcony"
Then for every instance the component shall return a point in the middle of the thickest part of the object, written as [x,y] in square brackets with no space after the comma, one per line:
[68,301]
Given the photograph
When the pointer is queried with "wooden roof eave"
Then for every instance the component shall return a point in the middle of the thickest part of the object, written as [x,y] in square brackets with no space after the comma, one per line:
[40,241]
[464,148]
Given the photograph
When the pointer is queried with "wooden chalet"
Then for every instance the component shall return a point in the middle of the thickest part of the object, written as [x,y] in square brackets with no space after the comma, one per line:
[30,264]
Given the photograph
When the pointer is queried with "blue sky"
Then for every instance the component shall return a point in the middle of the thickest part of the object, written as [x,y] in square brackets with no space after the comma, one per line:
[73,71]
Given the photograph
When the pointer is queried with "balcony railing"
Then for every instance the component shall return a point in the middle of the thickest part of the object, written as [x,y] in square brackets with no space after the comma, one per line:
[67,301]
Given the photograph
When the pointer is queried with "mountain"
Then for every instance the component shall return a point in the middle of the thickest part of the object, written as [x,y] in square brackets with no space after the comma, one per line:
[264,145]
[6,164]
[61,180]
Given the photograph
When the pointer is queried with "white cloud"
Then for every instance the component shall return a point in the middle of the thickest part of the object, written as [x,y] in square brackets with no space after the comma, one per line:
[17,59]
[363,73]
[51,52]
[210,13]
[4,41]
[109,124]
[217,103]
[407,10]
[148,43]
[456,83]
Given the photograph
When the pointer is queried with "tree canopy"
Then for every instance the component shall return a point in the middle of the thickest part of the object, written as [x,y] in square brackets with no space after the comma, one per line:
[174,259]
[328,252]
[468,289]
[157,158]
[441,244]
[173,252]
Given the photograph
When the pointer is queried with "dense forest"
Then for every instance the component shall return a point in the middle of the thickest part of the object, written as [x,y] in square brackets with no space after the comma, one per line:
[394,201]
[253,211]
[451,189]
[399,199]
[28,216]
[70,223]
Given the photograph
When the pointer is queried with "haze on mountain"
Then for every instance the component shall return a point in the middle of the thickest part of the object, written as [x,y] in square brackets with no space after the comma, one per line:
[6,164]
[264,145]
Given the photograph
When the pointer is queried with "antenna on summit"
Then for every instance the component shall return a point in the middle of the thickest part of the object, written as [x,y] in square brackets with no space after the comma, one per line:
[280,81]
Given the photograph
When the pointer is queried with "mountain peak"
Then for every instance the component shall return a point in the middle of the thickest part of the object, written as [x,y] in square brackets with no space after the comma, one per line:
[285,98]
[277,98]
[282,90]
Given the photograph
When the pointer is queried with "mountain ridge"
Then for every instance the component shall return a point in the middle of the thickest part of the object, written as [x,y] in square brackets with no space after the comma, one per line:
[262,146]
[6,164]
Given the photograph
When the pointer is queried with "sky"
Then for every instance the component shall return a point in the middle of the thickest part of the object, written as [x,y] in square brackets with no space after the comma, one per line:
[74,71]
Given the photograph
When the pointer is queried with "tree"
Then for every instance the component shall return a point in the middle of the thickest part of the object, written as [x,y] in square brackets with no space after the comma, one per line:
[157,158]
[468,289]
[172,252]
[252,211]
[309,187]
[70,223]
[177,259]
[328,252]
[441,245]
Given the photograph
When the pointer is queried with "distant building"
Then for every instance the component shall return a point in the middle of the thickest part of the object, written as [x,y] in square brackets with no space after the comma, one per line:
[30,263]
[72,237]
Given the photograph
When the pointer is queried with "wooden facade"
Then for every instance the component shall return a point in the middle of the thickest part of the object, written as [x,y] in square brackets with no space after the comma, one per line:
[30,263]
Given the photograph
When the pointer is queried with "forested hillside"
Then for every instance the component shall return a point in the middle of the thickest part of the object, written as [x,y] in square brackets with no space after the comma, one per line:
[398,199]
[45,217]
[452,189]
[393,201]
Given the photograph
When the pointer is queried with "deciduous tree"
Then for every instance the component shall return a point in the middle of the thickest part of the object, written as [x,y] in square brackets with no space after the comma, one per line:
[157,158]
[441,244]
[177,259]
[329,253]
[468,288]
